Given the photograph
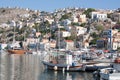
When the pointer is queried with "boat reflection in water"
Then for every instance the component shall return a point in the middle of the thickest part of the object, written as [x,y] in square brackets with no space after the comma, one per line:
[59,75]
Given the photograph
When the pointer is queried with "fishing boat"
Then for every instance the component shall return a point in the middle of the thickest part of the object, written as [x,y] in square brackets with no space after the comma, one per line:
[16,48]
[117,60]
[64,63]
[17,51]
[97,66]
[107,74]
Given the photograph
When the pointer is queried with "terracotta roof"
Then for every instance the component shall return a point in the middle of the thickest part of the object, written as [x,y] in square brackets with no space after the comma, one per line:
[68,40]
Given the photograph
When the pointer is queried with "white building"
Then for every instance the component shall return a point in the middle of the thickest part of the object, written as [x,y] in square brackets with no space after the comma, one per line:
[82,18]
[98,16]
[13,23]
[4,25]
[68,28]
[74,19]
[116,17]
[80,30]
[25,15]
[32,40]
[20,24]
[66,22]
[49,20]
[66,34]
[116,41]
[69,45]
[115,45]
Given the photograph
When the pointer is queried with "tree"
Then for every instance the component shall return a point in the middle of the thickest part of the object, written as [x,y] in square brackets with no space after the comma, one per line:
[75,24]
[118,49]
[83,24]
[70,38]
[46,23]
[95,38]
[94,35]
[88,11]
[93,42]
[109,15]
[37,26]
[99,28]
[66,16]
[34,15]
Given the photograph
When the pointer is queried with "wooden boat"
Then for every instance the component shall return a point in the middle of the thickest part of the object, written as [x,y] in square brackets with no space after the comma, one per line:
[117,60]
[64,63]
[107,74]
[17,51]
[97,66]
[64,67]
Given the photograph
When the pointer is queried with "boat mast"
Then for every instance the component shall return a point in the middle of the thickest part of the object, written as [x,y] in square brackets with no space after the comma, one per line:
[14,25]
[58,38]
[110,37]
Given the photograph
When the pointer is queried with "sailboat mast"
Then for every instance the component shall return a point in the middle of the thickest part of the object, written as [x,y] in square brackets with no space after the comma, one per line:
[110,37]
[14,31]
[58,38]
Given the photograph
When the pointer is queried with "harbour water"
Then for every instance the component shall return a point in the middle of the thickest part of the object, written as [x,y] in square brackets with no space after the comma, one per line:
[29,67]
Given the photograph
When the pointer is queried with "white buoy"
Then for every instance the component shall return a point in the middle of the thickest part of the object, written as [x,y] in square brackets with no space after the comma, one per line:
[68,67]
[55,67]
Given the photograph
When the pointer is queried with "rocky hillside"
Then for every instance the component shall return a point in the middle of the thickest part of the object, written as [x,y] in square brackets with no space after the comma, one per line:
[8,14]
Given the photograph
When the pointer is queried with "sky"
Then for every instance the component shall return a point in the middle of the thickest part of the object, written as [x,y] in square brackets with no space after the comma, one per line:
[51,5]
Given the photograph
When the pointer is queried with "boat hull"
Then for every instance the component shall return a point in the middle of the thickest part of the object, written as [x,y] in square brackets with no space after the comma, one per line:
[62,67]
[16,51]
[95,67]
[117,60]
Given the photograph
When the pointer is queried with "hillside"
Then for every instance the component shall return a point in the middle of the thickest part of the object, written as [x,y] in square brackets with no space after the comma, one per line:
[8,14]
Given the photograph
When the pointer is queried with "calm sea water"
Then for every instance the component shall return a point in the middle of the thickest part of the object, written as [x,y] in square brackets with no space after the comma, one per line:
[57,75]
[29,67]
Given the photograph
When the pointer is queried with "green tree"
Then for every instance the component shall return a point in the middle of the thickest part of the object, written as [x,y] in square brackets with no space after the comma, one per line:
[99,28]
[88,11]
[66,16]
[37,26]
[118,22]
[93,42]
[83,24]
[118,30]
[75,24]
[70,38]
[46,23]
[34,15]
[118,49]
[109,15]
[94,35]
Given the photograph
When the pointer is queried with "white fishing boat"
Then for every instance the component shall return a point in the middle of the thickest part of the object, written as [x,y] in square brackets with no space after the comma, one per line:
[97,66]
[107,74]
[64,62]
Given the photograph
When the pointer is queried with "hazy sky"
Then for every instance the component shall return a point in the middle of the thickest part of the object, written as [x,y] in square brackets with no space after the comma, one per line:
[51,5]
